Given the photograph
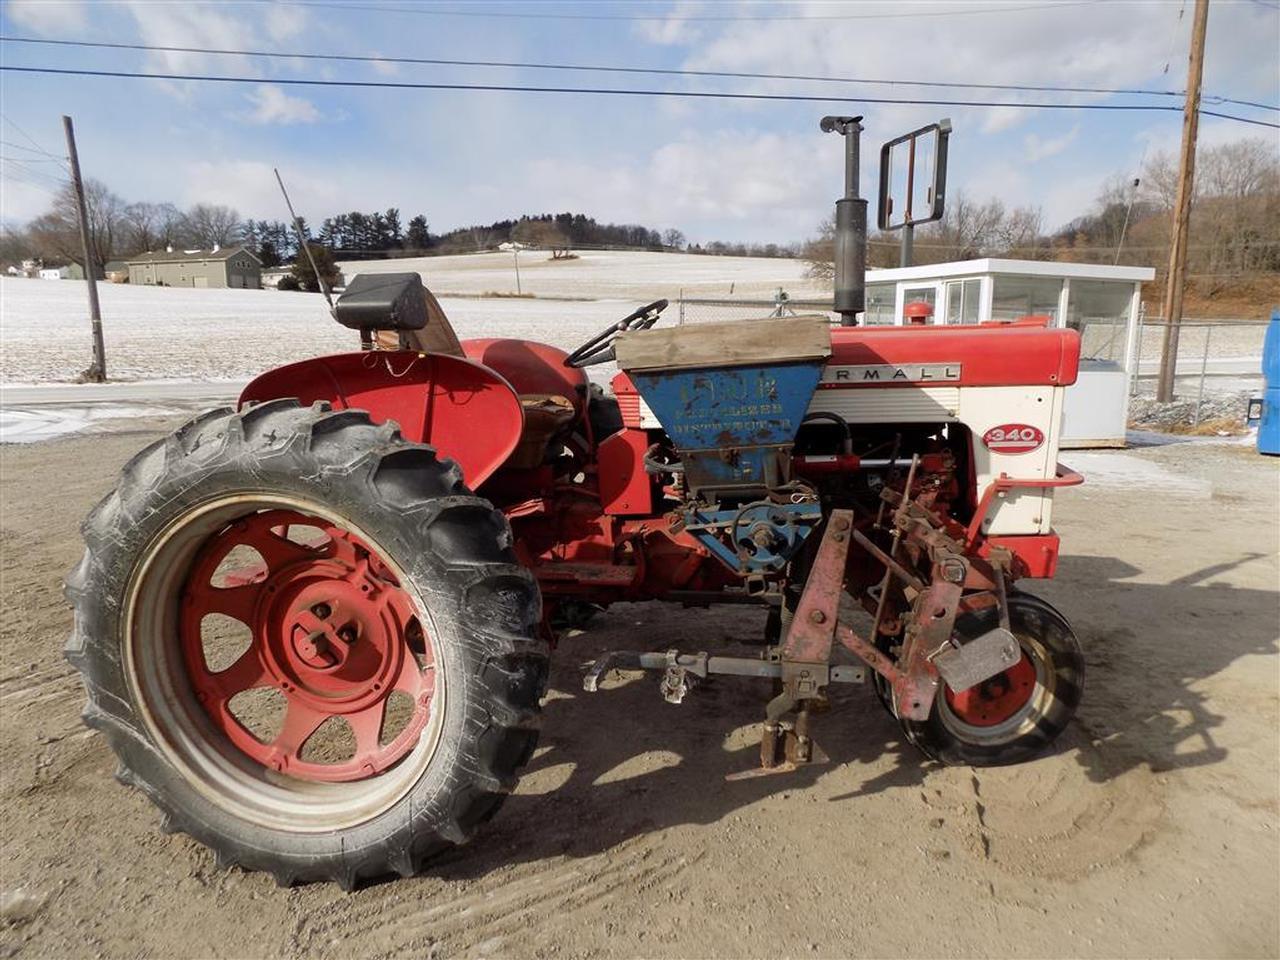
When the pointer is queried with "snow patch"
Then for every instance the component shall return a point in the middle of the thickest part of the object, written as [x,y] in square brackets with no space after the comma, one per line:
[1129,471]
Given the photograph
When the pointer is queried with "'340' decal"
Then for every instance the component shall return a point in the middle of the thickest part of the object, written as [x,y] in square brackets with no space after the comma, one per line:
[1013,438]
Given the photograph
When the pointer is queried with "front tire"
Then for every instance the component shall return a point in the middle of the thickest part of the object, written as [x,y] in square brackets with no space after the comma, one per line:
[1018,713]
[400,584]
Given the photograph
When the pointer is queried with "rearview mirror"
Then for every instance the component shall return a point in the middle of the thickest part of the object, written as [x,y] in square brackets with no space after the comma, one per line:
[913,177]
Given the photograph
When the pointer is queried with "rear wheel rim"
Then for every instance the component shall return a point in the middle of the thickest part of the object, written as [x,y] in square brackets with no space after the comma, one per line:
[330,628]
[189,707]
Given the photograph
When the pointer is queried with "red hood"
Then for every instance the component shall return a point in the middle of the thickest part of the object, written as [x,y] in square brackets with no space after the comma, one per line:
[1003,355]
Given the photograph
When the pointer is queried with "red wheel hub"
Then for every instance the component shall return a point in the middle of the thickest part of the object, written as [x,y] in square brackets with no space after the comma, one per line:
[995,700]
[332,630]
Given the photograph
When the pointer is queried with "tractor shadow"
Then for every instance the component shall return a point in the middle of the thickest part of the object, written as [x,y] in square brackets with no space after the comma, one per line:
[623,763]
[1148,649]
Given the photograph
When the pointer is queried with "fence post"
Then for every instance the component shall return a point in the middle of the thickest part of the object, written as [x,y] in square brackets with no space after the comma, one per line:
[1136,374]
[1204,365]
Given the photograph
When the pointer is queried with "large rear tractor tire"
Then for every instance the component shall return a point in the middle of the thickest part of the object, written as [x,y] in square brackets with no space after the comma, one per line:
[307,642]
[1018,713]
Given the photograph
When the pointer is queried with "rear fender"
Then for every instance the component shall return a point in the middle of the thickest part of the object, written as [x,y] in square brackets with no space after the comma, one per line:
[462,408]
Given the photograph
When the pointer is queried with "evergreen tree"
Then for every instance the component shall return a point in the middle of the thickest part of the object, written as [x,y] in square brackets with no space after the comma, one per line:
[418,237]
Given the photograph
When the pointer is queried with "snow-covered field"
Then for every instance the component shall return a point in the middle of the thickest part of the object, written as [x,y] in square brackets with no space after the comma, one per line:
[157,333]
[629,274]
[160,333]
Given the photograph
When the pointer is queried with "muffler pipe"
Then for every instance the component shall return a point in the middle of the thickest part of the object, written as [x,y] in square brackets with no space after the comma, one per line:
[850,253]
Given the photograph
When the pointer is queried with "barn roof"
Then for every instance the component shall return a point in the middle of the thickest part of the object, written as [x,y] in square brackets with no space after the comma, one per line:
[187,256]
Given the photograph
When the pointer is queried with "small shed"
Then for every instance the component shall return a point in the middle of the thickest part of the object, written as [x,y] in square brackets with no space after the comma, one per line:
[223,267]
[117,271]
[1102,302]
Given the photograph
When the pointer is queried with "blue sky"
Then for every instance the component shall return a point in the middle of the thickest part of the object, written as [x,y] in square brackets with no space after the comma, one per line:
[714,169]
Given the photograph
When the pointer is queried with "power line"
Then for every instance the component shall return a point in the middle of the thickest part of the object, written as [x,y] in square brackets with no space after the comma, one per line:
[31,140]
[19,170]
[599,68]
[39,158]
[692,18]
[613,91]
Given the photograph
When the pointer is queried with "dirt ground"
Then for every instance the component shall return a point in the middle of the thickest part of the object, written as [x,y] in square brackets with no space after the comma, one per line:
[1152,829]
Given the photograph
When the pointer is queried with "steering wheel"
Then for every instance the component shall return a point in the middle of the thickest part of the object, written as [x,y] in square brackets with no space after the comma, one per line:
[599,349]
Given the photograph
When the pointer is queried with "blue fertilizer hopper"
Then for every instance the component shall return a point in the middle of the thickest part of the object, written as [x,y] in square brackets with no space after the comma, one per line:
[731,396]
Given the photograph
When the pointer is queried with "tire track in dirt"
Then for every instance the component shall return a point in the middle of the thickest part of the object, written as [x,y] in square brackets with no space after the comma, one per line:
[485,913]
[1054,820]
[47,700]
[36,686]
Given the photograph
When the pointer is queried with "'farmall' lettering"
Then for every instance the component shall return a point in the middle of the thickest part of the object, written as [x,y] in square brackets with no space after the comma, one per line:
[876,373]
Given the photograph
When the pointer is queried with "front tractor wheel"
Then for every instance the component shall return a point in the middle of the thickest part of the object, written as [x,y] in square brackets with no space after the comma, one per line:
[307,642]
[1017,713]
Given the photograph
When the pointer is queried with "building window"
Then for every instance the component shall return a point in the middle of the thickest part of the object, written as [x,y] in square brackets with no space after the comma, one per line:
[1013,297]
[1099,309]
[962,300]
[879,311]
[927,295]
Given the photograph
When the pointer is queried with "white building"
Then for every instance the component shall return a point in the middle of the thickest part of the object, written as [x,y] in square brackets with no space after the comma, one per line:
[1101,302]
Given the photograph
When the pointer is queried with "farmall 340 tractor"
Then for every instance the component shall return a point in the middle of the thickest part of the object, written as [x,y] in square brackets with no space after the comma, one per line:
[390,539]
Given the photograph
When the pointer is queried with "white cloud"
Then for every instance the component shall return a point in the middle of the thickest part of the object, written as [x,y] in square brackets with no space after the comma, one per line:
[999,119]
[385,68]
[250,187]
[271,105]
[21,201]
[190,25]
[1109,44]
[1039,148]
[284,21]
[675,29]
[737,185]
[49,19]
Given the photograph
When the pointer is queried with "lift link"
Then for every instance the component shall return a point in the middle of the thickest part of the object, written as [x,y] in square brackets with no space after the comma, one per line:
[805,657]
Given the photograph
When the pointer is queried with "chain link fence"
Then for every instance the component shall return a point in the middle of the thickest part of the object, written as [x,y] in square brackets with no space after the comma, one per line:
[1219,362]
[752,306]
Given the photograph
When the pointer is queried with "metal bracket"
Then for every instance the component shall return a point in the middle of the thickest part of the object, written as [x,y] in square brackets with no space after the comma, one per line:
[978,660]
[813,627]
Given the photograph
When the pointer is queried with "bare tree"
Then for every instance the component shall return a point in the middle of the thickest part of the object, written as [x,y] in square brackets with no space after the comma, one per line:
[211,225]
[1160,180]
[673,239]
[151,226]
[1234,222]
[968,229]
[543,234]
[1020,233]
[483,239]
[56,234]
[15,245]
[1245,168]
[819,252]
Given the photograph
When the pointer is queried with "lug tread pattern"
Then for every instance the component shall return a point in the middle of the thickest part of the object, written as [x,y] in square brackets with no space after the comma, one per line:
[455,547]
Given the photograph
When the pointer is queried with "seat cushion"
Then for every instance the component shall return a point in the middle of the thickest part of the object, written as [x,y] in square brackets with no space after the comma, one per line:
[547,417]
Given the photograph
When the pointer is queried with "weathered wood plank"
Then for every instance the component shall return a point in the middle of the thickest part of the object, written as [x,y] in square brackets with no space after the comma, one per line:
[733,344]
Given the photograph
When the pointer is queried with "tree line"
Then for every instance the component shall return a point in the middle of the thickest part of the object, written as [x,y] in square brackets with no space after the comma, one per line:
[119,230]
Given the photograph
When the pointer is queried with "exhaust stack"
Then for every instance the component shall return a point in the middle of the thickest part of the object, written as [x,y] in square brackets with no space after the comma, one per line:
[850,255]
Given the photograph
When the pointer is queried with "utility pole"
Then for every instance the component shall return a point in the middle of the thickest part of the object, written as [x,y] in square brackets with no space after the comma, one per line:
[1176,281]
[97,371]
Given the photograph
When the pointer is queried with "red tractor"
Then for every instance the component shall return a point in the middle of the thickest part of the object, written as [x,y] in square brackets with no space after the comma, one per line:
[392,539]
